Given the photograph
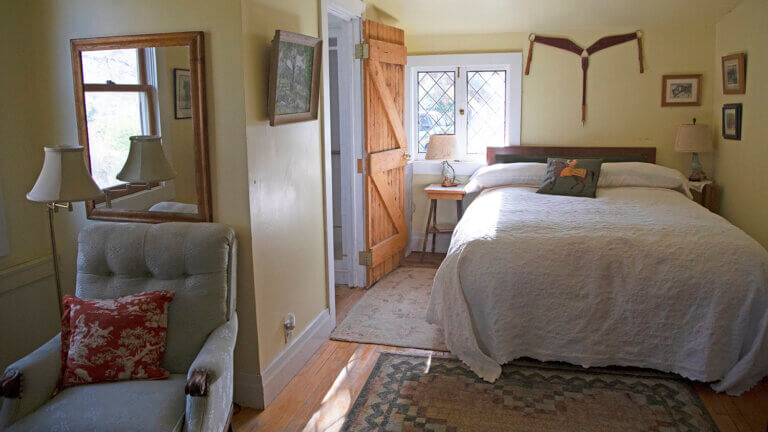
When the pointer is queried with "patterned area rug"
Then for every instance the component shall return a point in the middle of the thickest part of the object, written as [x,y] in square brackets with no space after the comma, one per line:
[393,312]
[440,394]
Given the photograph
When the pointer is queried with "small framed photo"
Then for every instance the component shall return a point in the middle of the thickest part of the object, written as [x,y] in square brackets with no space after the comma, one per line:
[294,78]
[732,121]
[734,74]
[681,90]
[182,100]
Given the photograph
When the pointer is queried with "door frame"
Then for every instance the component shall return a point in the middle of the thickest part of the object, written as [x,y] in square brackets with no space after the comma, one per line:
[350,11]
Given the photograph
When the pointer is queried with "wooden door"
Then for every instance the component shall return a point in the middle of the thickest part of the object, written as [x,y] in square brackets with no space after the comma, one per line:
[386,232]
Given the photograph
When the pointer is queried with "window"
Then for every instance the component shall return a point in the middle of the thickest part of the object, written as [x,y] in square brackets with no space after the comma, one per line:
[120,101]
[475,96]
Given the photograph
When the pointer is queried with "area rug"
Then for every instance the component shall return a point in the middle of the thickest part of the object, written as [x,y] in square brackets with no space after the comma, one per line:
[409,393]
[393,312]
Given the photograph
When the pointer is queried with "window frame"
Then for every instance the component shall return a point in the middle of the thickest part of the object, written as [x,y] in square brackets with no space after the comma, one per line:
[147,74]
[461,64]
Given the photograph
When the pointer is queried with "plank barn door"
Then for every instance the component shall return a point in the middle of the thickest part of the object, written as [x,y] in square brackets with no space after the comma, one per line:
[386,232]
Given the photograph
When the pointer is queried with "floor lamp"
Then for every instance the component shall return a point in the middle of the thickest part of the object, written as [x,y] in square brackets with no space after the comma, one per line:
[63,180]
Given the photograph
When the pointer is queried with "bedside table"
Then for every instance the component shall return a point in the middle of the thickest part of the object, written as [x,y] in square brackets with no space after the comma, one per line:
[437,192]
[706,193]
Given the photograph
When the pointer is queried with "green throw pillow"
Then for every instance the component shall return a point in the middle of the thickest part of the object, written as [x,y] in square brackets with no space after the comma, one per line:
[574,177]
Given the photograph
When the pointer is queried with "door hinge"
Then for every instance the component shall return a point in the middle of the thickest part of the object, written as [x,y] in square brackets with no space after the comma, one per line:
[359,166]
[365,258]
[362,51]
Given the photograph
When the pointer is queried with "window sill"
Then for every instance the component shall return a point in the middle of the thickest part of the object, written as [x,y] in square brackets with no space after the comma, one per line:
[426,167]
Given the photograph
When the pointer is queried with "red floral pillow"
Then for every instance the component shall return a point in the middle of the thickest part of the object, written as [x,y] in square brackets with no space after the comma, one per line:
[114,340]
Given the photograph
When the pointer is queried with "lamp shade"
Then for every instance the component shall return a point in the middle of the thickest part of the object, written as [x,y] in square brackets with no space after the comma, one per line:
[64,178]
[693,138]
[146,161]
[441,147]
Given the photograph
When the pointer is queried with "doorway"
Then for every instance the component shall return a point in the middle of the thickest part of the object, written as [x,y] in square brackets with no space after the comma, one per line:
[345,112]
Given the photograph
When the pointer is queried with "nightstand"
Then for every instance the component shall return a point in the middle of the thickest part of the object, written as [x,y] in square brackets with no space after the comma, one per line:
[437,192]
[706,193]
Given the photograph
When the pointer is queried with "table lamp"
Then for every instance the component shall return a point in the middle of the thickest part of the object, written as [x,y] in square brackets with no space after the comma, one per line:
[695,139]
[443,147]
[63,180]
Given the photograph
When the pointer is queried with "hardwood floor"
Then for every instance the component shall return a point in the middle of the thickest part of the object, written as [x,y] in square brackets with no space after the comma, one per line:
[320,396]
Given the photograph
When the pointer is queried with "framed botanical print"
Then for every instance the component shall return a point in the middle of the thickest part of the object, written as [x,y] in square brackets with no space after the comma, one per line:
[681,90]
[294,78]
[734,74]
[732,121]
[182,99]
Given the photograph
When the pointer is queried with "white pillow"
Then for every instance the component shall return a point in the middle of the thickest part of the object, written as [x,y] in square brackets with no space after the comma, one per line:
[518,173]
[641,174]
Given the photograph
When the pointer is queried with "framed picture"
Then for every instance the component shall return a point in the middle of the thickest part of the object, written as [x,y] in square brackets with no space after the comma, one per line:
[182,100]
[732,121]
[294,78]
[681,90]
[734,74]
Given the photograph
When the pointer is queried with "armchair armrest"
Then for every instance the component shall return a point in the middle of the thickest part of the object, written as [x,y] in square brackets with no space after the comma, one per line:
[30,382]
[210,380]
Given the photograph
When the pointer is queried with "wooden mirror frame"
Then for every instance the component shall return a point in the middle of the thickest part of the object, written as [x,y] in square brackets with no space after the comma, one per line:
[195,42]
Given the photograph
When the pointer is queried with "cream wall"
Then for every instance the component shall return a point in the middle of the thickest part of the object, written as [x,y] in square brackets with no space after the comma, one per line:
[21,144]
[178,134]
[285,180]
[740,165]
[45,109]
[623,106]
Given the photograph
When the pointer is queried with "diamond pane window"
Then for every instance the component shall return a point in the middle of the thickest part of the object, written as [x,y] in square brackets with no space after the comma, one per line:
[486,110]
[437,105]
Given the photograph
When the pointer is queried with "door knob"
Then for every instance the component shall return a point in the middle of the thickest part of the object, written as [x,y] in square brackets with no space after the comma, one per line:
[406,155]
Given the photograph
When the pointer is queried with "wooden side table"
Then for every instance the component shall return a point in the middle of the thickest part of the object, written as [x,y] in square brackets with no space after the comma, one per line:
[437,192]
[707,194]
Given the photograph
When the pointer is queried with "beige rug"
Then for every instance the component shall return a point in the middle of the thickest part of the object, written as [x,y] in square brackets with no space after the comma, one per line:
[393,312]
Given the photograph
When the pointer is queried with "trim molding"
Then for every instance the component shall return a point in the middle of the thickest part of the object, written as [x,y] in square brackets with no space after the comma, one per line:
[291,359]
[25,273]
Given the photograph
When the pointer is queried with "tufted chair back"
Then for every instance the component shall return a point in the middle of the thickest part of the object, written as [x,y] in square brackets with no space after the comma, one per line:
[195,260]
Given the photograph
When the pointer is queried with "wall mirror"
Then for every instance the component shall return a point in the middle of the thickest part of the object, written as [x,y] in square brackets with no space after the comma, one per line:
[141,117]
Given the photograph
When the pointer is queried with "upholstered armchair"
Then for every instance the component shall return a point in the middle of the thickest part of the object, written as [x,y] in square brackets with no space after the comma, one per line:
[197,262]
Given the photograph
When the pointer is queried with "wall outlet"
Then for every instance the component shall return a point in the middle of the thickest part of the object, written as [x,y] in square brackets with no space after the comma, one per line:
[289,325]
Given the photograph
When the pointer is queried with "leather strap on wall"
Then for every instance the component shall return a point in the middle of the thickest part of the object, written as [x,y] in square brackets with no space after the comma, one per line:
[569,45]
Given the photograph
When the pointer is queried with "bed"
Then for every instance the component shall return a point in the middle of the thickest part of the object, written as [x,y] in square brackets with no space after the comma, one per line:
[638,276]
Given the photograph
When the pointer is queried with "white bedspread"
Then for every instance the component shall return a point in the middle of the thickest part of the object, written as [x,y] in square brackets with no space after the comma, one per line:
[636,277]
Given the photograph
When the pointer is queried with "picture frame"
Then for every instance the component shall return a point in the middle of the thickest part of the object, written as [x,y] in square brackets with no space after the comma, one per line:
[681,90]
[734,74]
[294,78]
[732,121]
[182,94]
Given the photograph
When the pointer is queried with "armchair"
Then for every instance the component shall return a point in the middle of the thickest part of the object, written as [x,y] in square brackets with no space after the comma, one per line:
[195,260]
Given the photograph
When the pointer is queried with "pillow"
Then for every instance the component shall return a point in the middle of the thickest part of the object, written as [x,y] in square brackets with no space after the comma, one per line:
[521,173]
[639,174]
[573,177]
[114,340]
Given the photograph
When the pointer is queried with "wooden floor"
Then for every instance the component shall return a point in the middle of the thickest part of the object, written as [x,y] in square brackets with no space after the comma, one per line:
[321,395]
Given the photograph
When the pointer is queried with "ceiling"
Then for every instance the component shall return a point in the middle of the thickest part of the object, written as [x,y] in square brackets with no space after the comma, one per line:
[499,16]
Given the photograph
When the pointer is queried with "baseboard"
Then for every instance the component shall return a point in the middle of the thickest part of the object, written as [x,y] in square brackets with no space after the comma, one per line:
[290,361]
[441,245]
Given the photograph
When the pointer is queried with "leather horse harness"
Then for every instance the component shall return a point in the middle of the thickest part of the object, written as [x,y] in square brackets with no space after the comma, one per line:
[569,45]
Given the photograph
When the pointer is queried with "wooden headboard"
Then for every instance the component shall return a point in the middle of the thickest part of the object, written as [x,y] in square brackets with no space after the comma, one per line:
[647,154]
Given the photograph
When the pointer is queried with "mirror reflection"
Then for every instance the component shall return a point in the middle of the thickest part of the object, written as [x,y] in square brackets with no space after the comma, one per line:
[140,131]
